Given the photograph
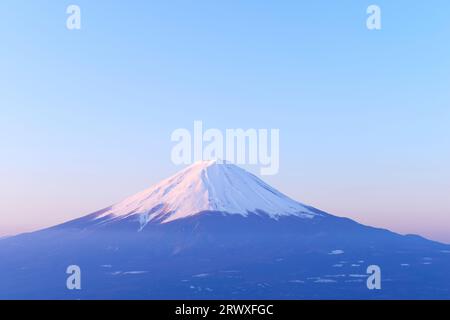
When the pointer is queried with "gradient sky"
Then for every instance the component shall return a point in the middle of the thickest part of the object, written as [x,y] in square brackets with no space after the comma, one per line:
[364,116]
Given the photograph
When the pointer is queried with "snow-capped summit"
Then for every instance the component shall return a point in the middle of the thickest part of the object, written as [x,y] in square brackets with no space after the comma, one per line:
[207,186]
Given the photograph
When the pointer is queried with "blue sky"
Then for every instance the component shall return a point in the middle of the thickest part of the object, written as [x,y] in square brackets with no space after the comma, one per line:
[86,115]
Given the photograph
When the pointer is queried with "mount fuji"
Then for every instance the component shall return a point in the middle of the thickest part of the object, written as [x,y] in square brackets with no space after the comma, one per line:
[215,231]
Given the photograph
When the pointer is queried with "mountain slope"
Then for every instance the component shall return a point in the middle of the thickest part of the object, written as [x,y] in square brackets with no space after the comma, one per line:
[204,186]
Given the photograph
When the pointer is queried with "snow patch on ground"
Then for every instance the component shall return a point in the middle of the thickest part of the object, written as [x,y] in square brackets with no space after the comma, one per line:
[201,275]
[135,272]
[116,273]
[325,281]
[336,252]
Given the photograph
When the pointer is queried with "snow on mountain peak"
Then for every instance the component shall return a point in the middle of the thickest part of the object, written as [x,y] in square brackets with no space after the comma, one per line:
[207,186]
